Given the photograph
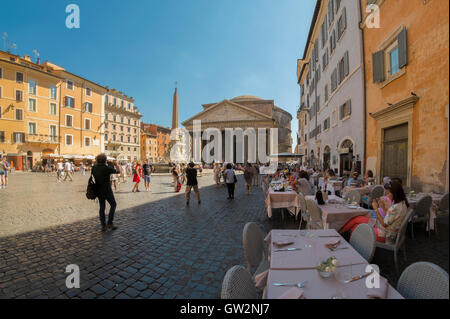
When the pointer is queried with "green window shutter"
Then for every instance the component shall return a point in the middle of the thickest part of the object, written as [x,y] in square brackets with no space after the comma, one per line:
[402,49]
[346,64]
[341,112]
[344,18]
[349,107]
[378,66]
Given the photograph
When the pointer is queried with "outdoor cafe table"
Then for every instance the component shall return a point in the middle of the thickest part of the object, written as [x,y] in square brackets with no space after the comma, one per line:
[298,266]
[335,216]
[434,207]
[362,190]
[288,199]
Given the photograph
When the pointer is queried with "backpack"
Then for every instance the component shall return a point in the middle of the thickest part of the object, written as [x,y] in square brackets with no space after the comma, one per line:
[91,190]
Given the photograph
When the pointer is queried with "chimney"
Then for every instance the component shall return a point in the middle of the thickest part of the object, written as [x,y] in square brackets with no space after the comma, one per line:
[38,61]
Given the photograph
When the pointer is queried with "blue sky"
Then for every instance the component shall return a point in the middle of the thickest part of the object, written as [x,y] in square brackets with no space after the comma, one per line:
[215,49]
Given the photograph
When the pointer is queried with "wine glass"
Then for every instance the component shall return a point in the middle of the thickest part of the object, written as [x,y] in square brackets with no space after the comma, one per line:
[342,275]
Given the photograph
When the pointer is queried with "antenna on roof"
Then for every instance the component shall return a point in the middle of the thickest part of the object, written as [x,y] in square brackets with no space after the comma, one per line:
[14,47]
[36,54]
[5,36]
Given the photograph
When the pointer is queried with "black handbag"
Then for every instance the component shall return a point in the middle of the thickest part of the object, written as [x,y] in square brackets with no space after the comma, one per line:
[91,190]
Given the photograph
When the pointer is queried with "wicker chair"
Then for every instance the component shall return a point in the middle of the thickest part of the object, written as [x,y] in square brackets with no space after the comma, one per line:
[364,240]
[314,215]
[254,249]
[399,242]
[421,213]
[354,196]
[442,212]
[238,284]
[303,213]
[376,193]
[423,280]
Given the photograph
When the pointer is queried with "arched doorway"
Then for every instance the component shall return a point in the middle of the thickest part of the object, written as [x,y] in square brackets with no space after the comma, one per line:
[327,158]
[346,157]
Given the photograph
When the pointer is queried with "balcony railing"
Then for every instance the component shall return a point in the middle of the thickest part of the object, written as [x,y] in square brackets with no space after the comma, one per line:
[41,138]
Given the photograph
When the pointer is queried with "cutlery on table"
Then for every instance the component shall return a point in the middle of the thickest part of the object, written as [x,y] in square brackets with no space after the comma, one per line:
[300,285]
[331,236]
[358,277]
[287,249]
[338,248]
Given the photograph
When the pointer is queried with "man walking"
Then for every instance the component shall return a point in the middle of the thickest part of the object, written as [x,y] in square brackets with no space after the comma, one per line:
[102,175]
[147,168]
[68,171]
[191,174]
[59,170]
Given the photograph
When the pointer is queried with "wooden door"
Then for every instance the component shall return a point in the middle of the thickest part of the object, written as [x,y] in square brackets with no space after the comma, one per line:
[395,153]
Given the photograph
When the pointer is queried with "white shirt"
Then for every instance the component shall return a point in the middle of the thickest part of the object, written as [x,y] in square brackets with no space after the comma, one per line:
[229,176]
[67,166]
[60,166]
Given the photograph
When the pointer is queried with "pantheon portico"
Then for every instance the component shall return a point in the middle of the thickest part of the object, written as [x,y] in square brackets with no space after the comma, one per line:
[244,112]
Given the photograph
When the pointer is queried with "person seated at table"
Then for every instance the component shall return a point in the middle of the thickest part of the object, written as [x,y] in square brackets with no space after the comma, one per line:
[387,228]
[354,180]
[383,205]
[368,178]
[303,185]
[330,176]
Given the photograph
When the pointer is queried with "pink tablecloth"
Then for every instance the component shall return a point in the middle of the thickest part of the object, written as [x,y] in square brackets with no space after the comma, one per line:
[288,199]
[312,251]
[298,266]
[434,208]
[322,288]
[335,216]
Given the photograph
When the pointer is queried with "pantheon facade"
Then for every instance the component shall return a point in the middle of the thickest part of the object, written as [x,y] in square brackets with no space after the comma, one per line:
[244,112]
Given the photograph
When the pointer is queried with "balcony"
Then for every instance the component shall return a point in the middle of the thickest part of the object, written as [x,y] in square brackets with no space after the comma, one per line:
[41,139]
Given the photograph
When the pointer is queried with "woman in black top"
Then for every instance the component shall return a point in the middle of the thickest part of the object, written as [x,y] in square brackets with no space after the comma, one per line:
[102,175]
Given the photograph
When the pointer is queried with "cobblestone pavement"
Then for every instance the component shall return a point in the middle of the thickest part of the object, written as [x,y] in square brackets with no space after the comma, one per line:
[162,248]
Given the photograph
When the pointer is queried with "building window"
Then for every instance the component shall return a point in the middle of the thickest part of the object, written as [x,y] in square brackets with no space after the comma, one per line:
[114,127]
[129,139]
[19,96]
[115,101]
[69,102]
[32,128]
[69,120]
[32,87]
[388,62]
[121,138]
[2,136]
[88,91]
[135,140]
[129,104]
[0,112]
[19,137]
[88,107]
[128,129]
[121,119]
[106,137]
[129,121]
[135,131]
[19,114]
[342,23]
[52,109]
[1,74]
[69,85]
[52,133]
[0,91]
[121,128]
[53,92]
[87,141]
[326,92]
[121,104]
[106,125]
[114,137]
[19,77]
[32,105]
[69,139]
[106,100]
[115,118]
[345,110]
[87,124]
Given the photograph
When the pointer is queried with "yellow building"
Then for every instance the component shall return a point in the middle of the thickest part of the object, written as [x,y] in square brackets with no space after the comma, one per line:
[29,110]
[149,144]
[122,127]
[80,118]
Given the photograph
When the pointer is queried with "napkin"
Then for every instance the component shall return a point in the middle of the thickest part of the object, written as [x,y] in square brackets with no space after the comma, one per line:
[282,243]
[293,293]
[261,280]
[332,244]
[379,293]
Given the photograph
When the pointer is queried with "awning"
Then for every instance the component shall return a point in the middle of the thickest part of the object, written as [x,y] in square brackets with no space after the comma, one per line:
[67,156]
[90,157]
[286,155]
[109,158]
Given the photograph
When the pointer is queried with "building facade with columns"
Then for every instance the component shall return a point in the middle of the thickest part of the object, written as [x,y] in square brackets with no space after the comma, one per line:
[244,112]
[330,76]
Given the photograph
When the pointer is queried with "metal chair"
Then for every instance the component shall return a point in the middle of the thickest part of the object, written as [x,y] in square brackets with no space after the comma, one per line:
[376,193]
[421,213]
[314,215]
[442,213]
[423,280]
[238,284]
[354,196]
[364,240]
[303,213]
[254,249]
[399,242]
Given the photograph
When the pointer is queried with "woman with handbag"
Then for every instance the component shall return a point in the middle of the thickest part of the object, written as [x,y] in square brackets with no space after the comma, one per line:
[230,180]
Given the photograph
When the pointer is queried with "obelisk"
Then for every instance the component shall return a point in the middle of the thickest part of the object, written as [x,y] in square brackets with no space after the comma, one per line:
[175,109]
